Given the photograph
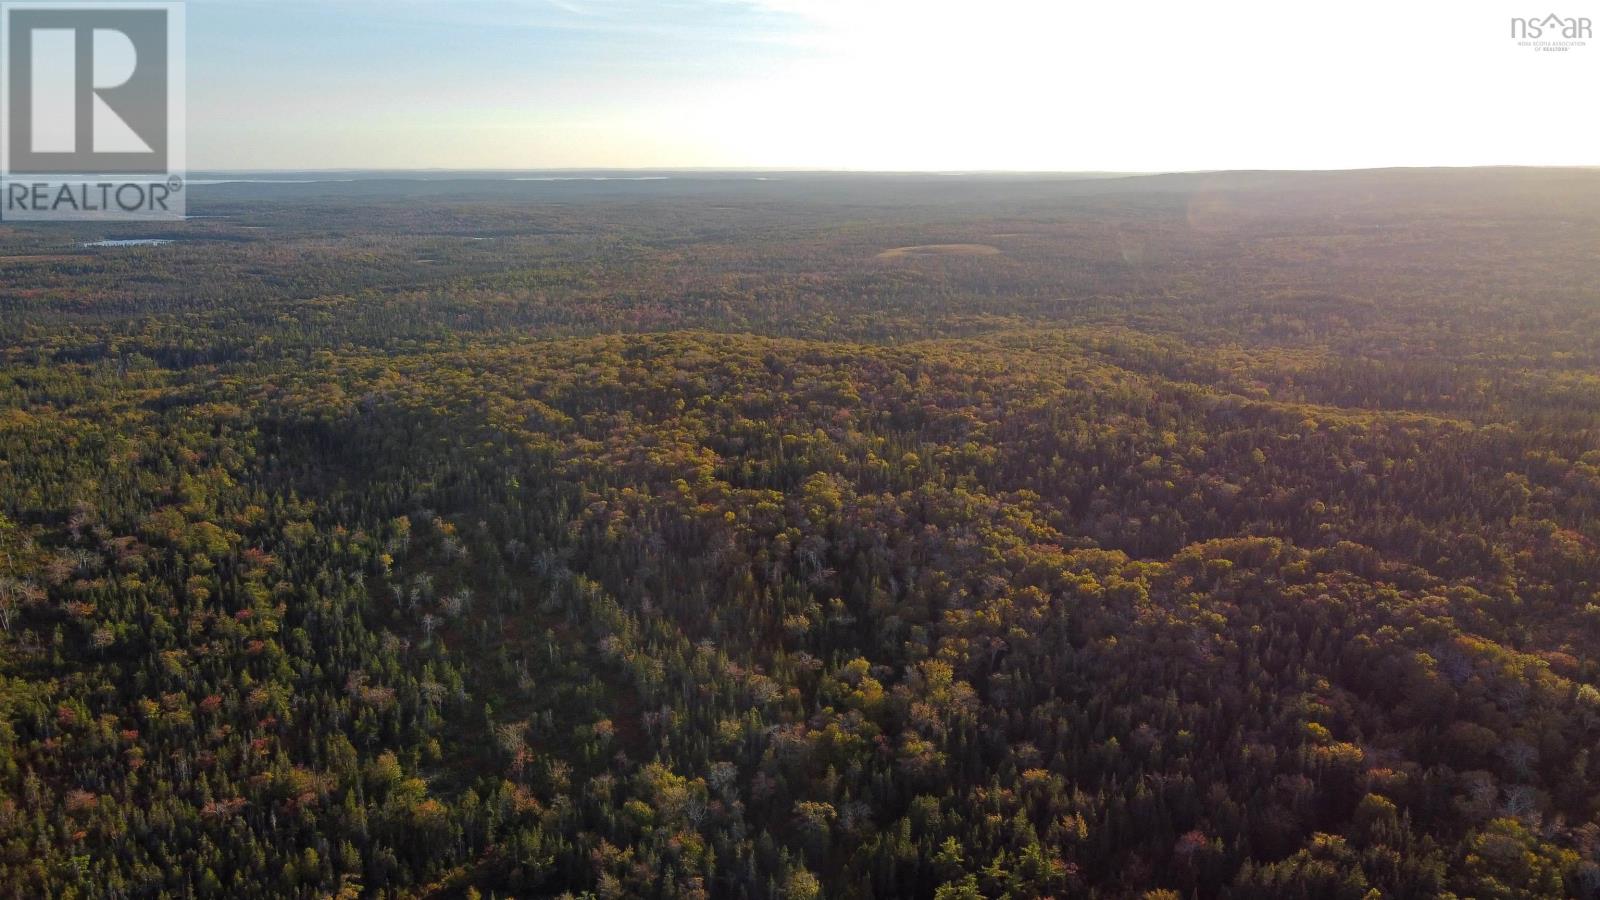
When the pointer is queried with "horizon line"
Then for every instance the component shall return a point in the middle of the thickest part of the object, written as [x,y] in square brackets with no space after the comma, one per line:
[805,170]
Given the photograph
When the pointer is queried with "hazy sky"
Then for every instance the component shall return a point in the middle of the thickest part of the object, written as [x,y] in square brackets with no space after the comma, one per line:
[883,84]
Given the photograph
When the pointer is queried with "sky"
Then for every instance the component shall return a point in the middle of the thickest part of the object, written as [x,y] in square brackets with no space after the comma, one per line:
[1036,85]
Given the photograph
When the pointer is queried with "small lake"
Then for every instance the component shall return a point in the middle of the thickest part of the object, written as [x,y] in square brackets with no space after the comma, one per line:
[128,242]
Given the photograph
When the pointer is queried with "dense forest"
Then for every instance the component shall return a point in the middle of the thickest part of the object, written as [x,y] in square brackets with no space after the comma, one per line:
[808,536]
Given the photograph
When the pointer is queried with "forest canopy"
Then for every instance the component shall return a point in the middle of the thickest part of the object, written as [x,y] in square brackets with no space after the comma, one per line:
[829,536]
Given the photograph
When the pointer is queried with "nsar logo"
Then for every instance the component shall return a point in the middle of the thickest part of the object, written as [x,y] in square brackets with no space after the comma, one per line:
[1553,32]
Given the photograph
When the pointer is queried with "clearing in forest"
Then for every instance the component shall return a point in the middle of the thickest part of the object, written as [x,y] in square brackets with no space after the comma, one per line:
[940,250]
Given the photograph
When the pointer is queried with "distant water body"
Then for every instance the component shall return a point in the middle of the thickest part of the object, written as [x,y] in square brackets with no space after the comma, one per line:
[270,180]
[592,178]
